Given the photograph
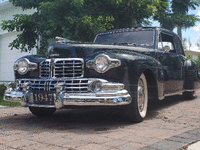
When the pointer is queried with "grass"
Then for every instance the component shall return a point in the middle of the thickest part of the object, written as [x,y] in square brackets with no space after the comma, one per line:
[6,103]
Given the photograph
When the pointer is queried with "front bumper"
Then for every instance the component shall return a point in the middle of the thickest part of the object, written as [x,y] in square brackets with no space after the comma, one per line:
[107,94]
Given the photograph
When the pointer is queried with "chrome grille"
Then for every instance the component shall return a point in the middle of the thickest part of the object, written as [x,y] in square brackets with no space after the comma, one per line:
[71,85]
[60,68]
[45,69]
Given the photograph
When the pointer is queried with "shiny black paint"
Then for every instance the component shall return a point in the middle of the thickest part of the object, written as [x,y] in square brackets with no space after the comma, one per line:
[166,72]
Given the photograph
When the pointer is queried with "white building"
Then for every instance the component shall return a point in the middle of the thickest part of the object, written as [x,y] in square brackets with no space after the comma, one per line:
[8,56]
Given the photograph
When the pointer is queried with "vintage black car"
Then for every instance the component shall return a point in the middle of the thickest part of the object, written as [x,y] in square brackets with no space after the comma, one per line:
[123,67]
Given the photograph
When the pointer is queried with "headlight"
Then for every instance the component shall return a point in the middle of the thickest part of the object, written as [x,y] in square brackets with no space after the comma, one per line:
[103,63]
[24,65]
[96,86]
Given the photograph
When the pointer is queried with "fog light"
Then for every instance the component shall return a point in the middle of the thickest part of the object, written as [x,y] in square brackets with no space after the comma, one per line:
[96,86]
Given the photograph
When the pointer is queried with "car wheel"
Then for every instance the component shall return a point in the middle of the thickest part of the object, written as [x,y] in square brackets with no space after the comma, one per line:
[138,107]
[40,111]
[189,95]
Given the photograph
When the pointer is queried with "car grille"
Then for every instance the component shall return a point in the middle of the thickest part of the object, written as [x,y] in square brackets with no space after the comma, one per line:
[70,85]
[60,68]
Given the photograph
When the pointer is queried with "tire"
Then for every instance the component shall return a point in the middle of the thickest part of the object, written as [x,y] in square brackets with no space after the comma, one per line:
[137,110]
[41,111]
[189,95]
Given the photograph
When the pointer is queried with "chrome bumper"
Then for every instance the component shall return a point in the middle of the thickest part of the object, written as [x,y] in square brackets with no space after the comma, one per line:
[110,94]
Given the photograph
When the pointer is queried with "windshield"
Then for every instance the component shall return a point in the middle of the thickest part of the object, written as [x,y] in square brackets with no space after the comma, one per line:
[134,38]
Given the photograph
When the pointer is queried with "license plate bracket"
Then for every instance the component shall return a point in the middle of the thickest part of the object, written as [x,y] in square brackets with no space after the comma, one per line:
[43,97]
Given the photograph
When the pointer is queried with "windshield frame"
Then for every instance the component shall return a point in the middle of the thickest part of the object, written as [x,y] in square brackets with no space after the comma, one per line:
[152,45]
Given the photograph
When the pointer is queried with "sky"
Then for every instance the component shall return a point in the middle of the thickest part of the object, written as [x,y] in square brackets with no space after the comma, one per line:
[192,34]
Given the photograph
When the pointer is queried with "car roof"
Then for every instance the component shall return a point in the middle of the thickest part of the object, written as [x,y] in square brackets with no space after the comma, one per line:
[135,29]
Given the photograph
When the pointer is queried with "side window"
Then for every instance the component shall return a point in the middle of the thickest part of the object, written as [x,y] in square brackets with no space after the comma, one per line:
[166,46]
[166,42]
[178,45]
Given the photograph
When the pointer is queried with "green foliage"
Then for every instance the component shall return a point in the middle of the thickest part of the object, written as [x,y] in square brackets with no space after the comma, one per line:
[25,24]
[188,56]
[73,19]
[2,89]
[81,19]
[162,14]
[27,4]
[6,103]
[197,61]
[184,44]
[183,6]
[126,13]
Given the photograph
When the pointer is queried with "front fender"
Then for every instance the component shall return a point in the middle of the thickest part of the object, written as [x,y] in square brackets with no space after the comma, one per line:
[32,73]
[132,66]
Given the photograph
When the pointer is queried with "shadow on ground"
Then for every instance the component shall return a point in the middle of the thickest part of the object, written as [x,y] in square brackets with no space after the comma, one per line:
[157,105]
[89,120]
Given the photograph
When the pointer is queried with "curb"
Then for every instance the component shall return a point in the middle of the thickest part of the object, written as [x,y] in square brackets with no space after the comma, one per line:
[194,146]
[176,141]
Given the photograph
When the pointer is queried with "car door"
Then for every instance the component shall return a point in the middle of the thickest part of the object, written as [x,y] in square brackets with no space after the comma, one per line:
[172,64]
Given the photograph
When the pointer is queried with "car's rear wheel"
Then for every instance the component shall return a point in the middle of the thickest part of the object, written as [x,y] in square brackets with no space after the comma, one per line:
[41,111]
[138,108]
[189,95]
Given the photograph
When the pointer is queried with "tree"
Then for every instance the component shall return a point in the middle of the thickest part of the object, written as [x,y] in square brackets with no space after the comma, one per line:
[73,19]
[180,9]
[197,61]
[177,15]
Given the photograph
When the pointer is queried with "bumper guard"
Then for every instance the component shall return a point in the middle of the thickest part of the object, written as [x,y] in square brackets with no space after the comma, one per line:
[100,93]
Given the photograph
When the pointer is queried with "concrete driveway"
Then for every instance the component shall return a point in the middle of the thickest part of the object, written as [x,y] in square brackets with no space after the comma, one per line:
[170,124]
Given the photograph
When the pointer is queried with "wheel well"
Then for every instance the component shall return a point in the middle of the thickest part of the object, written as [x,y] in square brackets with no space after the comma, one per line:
[151,84]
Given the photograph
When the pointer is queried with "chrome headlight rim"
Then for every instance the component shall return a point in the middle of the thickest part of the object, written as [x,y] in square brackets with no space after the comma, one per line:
[21,66]
[27,66]
[101,63]
[111,63]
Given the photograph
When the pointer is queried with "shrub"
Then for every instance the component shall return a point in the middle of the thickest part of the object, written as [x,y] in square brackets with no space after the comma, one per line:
[2,89]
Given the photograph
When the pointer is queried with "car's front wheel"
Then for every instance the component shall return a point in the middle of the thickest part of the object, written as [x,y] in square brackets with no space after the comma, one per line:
[41,111]
[137,110]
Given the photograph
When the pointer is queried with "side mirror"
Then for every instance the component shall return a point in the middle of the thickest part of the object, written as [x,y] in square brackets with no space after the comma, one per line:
[166,48]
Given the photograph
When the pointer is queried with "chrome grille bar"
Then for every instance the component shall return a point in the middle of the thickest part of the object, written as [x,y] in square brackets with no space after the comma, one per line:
[45,69]
[70,85]
[62,67]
